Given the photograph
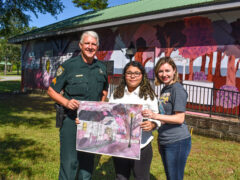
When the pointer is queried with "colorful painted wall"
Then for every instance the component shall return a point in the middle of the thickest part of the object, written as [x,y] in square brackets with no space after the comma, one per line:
[207,46]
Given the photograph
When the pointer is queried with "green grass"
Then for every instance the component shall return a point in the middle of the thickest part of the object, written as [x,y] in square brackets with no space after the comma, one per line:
[9,86]
[12,73]
[29,147]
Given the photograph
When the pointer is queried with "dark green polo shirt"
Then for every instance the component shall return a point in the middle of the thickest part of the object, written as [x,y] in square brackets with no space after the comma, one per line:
[80,80]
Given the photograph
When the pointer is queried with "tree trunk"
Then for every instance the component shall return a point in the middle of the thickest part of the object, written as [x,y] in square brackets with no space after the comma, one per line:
[18,70]
[203,63]
[218,65]
[231,76]
[191,69]
[210,76]
[5,67]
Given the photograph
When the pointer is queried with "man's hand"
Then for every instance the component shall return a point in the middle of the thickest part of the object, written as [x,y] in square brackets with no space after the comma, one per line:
[72,104]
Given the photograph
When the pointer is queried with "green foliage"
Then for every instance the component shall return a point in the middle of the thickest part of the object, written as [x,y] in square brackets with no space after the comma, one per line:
[10,53]
[13,13]
[91,4]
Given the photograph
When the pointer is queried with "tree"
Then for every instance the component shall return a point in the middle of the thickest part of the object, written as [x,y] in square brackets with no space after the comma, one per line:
[15,11]
[198,31]
[91,4]
[170,36]
[9,53]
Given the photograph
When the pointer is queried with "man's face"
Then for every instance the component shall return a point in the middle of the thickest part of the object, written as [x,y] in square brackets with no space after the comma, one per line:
[89,47]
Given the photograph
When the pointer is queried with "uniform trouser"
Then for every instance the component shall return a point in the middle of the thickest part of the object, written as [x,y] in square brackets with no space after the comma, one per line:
[73,164]
[141,168]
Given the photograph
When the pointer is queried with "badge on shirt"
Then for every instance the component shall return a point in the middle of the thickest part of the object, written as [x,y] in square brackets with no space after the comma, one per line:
[60,70]
[54,81]
[100,71]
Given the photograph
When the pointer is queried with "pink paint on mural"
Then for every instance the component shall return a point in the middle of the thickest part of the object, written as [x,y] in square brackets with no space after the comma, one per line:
[145,55]
[233,52]
[198,31]
[224,100]
[107,42]
[228,97]
[104,55]
[147,33]
[170,36]
[127,32]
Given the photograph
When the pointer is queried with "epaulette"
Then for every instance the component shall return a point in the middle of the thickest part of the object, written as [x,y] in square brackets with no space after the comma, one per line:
[69,61]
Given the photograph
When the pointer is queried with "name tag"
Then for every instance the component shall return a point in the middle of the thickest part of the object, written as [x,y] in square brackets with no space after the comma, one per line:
[79,75]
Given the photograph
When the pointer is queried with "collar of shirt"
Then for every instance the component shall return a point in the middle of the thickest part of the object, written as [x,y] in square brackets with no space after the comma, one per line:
[135,92]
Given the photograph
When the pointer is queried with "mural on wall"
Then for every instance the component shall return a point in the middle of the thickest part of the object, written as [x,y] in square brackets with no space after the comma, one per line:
[205,49]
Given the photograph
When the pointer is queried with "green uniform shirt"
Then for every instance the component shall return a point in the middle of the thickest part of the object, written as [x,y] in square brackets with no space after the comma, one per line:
[81,81]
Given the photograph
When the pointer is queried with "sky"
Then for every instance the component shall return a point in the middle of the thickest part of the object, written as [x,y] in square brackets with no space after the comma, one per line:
[69,11]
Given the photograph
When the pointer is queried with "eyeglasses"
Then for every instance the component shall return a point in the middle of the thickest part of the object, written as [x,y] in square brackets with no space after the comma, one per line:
[136,74]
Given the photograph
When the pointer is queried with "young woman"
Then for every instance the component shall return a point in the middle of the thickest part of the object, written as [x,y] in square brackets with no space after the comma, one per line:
[135,89]
[174,138]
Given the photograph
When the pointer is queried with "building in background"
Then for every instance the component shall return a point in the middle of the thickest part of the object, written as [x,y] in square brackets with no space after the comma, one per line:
[202,36]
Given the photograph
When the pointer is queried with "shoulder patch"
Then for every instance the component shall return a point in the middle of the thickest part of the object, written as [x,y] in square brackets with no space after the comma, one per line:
[54,81]
[101,71]
[60,70]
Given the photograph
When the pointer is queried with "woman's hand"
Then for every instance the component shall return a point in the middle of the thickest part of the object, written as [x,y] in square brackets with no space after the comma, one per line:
[77,121]
[148,114]
[148,125]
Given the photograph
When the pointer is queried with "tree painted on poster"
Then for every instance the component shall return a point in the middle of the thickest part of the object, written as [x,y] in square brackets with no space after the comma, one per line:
[170,36]
[199,34]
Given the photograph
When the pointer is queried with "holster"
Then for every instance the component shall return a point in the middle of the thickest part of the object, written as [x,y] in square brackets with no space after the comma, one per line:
[60,115]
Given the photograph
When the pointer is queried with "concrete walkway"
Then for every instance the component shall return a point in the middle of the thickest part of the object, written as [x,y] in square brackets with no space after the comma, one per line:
[10,78]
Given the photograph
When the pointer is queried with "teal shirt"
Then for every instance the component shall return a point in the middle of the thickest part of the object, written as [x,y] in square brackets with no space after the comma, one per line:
[81,81]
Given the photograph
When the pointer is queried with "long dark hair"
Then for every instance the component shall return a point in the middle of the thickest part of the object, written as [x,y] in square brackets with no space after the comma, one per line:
[145,87]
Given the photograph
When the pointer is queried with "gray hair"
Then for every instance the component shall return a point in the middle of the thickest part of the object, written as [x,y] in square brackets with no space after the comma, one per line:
[90,33]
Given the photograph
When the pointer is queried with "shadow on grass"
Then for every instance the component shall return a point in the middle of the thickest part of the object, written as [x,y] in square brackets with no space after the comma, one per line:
[105,171]
[9,86]
[29,110]
[14,151]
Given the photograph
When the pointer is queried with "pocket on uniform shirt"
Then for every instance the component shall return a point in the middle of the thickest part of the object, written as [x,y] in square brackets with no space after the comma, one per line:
[101,81]
[77,86]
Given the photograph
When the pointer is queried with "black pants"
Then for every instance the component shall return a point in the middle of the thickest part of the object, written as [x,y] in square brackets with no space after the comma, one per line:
[141,168]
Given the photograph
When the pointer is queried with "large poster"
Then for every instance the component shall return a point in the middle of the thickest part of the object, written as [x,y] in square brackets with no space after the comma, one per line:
[109,128]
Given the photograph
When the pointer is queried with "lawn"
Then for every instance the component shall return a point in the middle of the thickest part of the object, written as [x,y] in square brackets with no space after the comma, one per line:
[29,146]
[12,73]
[9,86]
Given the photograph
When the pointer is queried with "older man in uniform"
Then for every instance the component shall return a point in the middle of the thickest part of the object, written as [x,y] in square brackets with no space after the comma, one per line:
[80,78]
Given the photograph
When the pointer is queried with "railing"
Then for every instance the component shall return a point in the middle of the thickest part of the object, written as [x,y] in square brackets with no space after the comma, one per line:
[206,100]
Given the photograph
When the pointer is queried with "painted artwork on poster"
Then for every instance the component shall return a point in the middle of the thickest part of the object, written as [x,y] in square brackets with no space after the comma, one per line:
[109,128]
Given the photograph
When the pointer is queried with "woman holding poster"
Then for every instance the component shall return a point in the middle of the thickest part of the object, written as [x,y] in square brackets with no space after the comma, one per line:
[173,136]
[136,89]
